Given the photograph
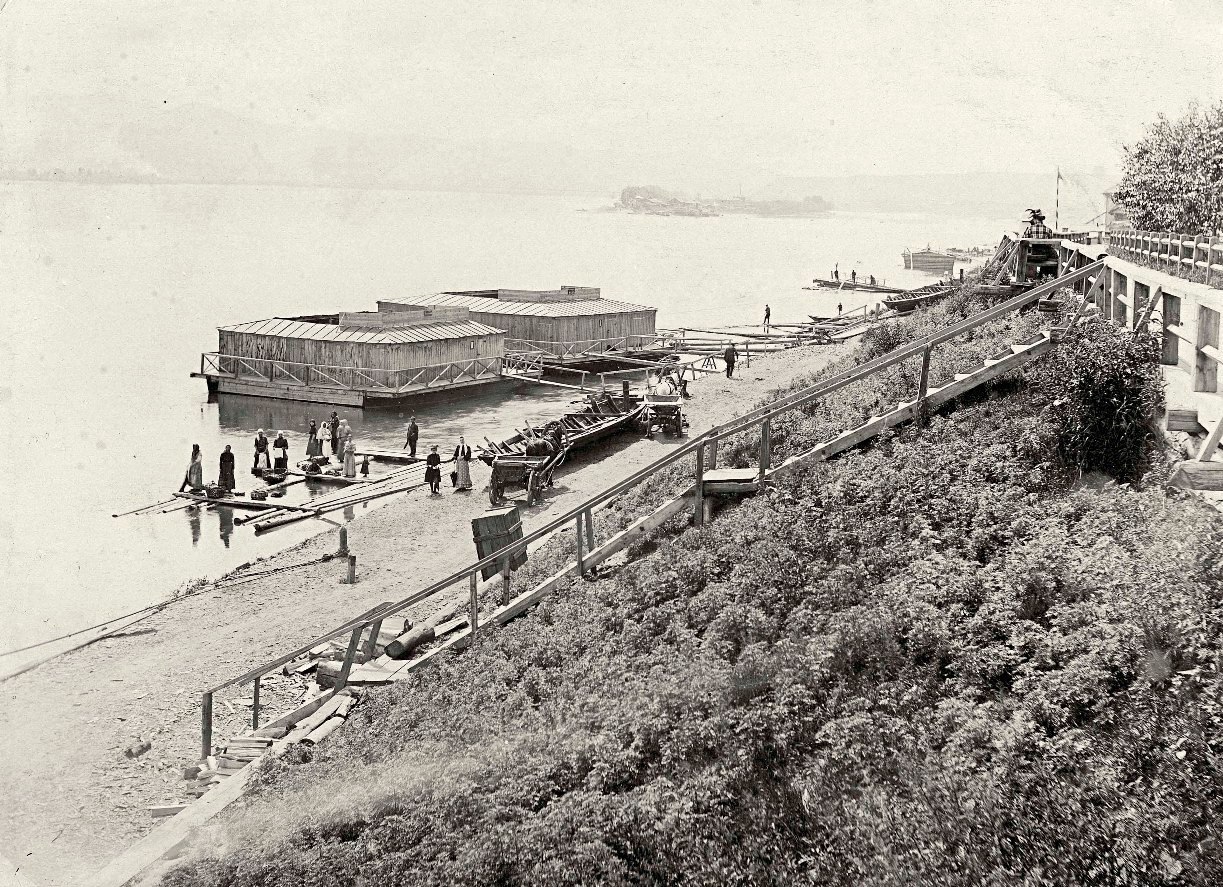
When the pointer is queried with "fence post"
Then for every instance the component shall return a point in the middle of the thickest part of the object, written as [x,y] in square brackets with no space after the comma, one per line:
[371,643]
[349,655]
[255,704]
[343,552]
[206,725]
[352,570]
[1210,257]
[766,449]
[713,453]
[505,580]
[1197,242]
[577,535]
[473,607]
[923,384]
[698,514]
[590,532]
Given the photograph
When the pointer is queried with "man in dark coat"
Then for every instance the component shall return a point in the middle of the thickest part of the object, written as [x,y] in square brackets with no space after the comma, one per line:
[413,434]
[730,355]
[334,424]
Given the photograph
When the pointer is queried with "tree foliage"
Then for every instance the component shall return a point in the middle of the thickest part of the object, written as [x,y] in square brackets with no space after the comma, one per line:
[1172,178]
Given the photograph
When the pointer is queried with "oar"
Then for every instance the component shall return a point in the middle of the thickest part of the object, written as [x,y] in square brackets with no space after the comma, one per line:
[145,508]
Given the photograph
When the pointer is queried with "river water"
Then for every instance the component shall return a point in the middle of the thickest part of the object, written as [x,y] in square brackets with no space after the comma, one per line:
[110,293]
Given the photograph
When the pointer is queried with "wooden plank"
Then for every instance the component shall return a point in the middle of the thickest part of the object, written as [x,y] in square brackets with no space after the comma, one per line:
[1196,475]
[330,478]
[1184,420]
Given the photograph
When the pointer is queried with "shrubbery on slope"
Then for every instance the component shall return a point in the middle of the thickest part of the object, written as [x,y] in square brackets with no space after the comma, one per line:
[933,661]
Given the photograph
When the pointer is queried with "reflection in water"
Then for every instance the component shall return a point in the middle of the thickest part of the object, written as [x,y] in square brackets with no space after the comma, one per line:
[226,518]
[193,521]
[350,514]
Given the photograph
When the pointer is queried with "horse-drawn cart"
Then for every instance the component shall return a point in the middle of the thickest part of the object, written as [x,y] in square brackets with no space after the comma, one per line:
[532,470]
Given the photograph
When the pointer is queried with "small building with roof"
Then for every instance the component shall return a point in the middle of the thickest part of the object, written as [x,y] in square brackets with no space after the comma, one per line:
[363,358]
[570,324]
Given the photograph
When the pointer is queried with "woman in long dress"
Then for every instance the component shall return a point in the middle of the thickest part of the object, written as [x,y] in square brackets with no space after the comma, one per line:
[462,465]
[433,471]
[281,446]
[312,441]
[262,461]
[194,478]
[345,435]
[350,458]
[225,479]
[324,438]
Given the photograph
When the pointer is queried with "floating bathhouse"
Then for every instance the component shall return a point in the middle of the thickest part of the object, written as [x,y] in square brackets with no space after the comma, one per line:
[361,359]
[567,325]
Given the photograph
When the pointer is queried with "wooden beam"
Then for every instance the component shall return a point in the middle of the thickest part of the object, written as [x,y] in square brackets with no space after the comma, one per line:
[1212,442]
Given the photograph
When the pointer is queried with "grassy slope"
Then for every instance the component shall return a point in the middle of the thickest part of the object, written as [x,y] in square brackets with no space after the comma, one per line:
[927,661]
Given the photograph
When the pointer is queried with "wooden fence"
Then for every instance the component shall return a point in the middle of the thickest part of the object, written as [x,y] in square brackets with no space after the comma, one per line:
[580,517]
[586,348]
[1178,253]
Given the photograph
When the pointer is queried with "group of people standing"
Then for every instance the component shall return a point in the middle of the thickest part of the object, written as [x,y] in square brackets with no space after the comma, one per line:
[332,438]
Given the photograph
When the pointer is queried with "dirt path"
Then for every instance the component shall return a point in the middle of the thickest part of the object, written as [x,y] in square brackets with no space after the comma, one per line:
[73,800]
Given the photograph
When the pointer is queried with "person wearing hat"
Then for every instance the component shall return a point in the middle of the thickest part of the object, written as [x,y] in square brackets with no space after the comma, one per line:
[413,433]
[281,446]
[1036,226]
[433,471]
[262,462]
[333,425]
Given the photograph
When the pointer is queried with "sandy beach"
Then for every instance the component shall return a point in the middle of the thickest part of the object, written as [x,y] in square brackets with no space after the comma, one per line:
[74,800]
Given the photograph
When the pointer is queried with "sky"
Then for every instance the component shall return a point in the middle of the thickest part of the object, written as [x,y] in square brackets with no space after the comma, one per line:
[686,92]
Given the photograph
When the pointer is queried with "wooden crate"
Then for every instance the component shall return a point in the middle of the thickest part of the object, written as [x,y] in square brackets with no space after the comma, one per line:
[494,530]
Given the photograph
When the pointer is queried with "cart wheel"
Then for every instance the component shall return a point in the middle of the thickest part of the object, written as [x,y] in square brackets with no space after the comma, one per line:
[496,490]
[532,492]
[679,423]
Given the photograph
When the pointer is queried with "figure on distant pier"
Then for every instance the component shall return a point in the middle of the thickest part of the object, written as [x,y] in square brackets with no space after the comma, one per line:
[194,478]
[730,355]
[853,276]
[767,314]
[262,459]
[313,444]
[838,309]
[281,446]
[225,475]
[413,435]
[462,466]
[872,280]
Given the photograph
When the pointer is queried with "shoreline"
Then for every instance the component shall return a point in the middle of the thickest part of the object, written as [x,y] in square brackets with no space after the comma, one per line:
[64,725]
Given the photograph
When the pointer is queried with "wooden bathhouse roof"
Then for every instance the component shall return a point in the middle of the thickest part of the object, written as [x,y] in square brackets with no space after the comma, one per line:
[494,304]
[330,332]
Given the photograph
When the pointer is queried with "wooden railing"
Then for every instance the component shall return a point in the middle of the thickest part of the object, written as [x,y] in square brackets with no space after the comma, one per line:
[580,517]
[1178,253]
[585,347]
[523,363]
[283,372]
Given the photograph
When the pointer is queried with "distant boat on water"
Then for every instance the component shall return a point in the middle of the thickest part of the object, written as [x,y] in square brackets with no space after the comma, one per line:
[821,283]
[929,261]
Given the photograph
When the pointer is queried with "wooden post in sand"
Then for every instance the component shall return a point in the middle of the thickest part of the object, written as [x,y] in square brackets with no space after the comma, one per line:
[255,704]
[698,510]
[206,723]
[473,607]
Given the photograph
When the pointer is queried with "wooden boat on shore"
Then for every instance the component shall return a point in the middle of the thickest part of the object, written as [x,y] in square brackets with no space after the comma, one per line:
[820,283]
[918,298]
[603,416]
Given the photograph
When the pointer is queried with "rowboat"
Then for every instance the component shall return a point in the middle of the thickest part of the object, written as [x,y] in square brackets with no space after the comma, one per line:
[918,298]
[603,416]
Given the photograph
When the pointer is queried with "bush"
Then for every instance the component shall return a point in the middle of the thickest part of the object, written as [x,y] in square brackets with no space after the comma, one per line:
[1106,392]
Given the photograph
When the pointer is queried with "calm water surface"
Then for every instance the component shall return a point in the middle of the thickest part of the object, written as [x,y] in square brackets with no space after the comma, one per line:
[110,293]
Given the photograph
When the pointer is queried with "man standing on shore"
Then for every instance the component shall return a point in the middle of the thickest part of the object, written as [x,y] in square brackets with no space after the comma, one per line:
[413,435]
[730,355]
[767,314]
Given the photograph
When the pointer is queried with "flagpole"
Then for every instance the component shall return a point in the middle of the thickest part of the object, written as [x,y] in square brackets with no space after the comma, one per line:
[1057,199]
